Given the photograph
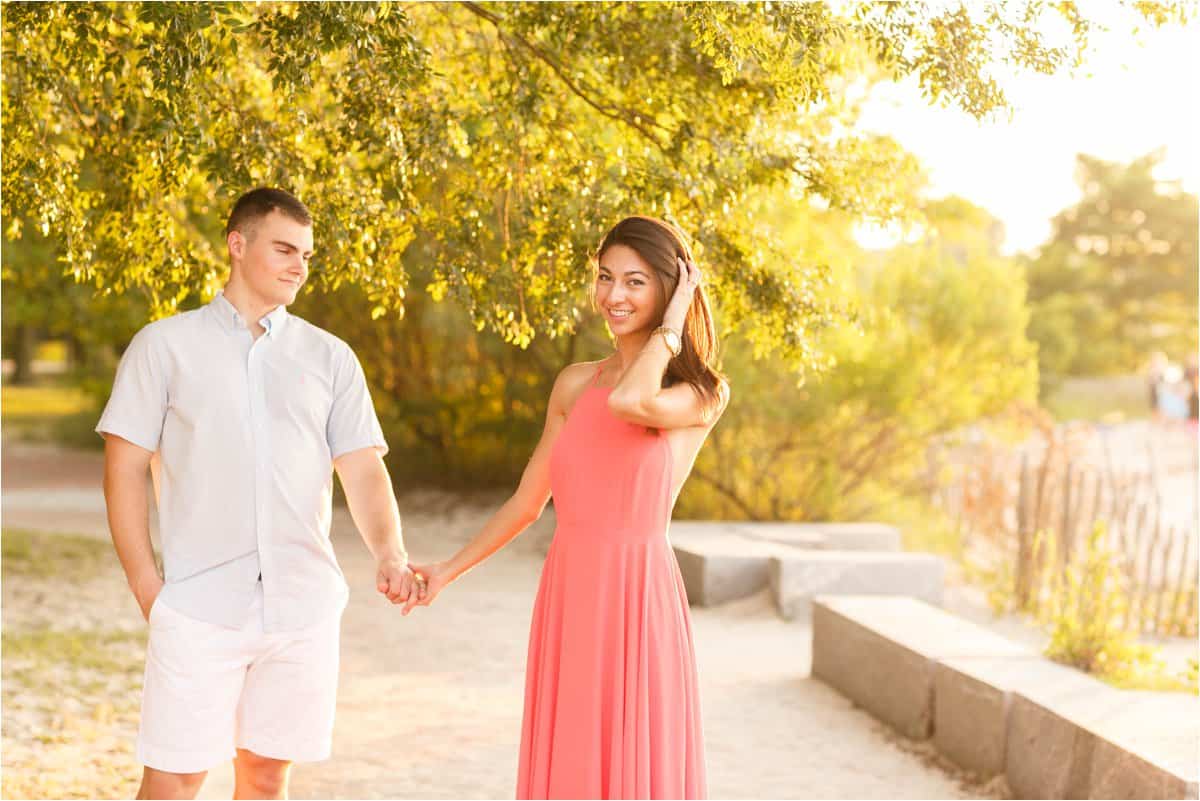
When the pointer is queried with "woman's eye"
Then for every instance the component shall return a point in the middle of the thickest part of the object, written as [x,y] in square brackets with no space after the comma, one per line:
[604,278]
[636,283]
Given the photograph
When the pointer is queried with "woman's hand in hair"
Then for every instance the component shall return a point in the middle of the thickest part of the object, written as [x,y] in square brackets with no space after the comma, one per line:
[685,291]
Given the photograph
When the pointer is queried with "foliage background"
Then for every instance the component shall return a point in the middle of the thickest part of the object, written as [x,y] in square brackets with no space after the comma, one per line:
[463,160]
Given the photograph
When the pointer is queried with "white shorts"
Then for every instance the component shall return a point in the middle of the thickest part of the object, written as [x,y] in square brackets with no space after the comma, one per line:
[210,689]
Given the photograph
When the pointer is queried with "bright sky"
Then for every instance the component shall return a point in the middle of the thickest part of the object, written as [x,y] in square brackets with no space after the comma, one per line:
[1126,100]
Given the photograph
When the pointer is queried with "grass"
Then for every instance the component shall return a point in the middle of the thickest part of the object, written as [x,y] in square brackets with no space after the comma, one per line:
[1107,399]
[107,652]
[52,412]
[70,690]
[19,403]
[42,555]
[1160,681]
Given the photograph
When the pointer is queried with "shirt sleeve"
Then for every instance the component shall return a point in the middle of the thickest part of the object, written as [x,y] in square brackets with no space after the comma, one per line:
[138,404]
[352,420]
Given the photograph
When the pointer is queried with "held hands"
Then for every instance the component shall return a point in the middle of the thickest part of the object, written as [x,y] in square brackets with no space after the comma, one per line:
[436,576]
[685,290]
[394,578]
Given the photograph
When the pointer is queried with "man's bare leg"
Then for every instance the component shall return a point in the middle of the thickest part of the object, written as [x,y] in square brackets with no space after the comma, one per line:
[258,776]
[160,784]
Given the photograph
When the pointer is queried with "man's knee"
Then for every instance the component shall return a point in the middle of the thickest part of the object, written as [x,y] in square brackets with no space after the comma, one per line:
[265,776]
[160,784]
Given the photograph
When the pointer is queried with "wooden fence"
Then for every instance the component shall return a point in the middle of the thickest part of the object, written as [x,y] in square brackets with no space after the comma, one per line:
[1037,504]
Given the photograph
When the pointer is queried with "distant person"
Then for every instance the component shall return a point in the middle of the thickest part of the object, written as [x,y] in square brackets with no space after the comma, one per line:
[1191,375]
[612,705]
[1173,396]
[244,412]
[1154,382]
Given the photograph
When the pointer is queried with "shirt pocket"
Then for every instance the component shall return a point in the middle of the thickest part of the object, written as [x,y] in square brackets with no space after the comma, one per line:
[200,401]
[301,398]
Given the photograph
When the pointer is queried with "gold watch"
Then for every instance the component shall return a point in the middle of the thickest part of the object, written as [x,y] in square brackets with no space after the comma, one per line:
[671,337]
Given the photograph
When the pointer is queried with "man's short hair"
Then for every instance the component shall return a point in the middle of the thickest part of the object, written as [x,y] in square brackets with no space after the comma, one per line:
[258,203]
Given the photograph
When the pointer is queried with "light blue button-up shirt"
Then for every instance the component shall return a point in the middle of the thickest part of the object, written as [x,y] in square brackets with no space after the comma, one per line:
[244,432]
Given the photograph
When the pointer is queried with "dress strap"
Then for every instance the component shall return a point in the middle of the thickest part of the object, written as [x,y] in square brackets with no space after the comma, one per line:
[596,374]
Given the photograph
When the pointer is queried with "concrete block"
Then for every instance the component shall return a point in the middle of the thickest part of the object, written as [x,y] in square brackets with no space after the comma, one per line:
[1092,740]
[972,697]
[796,577]
[827,536]
[994,706]
[1150,748]
[722,561]
[880,652]
[718,563]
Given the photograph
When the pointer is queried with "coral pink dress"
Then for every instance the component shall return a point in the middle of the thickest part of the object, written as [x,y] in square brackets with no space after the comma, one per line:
[612,707]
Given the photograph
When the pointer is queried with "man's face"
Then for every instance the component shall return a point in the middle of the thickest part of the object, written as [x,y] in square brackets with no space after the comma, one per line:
[272,257]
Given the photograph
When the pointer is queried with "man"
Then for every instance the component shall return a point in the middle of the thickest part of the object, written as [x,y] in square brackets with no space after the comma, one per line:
[239,410]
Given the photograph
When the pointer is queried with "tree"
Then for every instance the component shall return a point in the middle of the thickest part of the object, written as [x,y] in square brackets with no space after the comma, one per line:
[40,302]
[941,345]
[492,142]
[1117,278]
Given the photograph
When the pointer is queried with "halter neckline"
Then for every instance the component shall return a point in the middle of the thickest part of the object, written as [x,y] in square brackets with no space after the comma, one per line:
[595,375]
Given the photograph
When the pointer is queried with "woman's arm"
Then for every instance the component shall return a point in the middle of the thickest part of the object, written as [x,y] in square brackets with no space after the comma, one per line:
[519,511]
[639,397]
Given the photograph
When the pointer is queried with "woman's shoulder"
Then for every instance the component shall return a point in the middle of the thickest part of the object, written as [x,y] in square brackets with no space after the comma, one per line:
[574,378]
[571,382]
[578,374]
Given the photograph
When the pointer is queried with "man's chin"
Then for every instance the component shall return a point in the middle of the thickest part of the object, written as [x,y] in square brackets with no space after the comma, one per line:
[286,298]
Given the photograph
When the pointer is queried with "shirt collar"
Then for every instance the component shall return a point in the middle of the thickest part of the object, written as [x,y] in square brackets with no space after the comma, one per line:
[231,320]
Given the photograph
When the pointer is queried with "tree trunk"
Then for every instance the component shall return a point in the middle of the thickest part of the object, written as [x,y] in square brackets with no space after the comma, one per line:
[23,355]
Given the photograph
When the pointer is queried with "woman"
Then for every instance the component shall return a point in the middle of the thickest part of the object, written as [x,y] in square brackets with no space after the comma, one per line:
[611,698]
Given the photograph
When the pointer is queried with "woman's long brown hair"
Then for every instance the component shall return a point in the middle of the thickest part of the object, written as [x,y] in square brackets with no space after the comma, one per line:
[659,243]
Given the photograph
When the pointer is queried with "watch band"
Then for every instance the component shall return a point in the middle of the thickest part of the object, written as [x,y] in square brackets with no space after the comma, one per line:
[670,338]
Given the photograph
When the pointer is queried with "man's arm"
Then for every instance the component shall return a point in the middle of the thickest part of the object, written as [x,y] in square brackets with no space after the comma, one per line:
[372,503]
[125,467]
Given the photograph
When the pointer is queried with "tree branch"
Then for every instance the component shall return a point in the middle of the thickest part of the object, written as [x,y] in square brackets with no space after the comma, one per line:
[617,113]
[728,492]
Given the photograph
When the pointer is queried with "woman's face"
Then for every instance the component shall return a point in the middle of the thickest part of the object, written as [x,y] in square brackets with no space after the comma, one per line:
[629,293]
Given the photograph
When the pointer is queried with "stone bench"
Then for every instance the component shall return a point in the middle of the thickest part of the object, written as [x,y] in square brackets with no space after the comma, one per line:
[826,536]
[995,707]
[723,561]
[880,651]
[797,577]
[974,697]
[1096,741]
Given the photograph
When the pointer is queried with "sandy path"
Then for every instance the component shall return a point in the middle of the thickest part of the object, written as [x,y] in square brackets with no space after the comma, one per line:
[430,705]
